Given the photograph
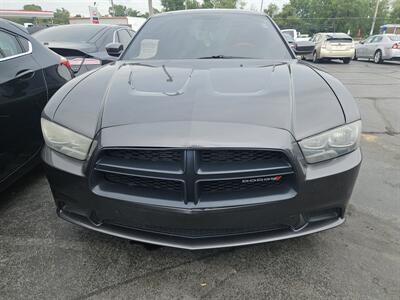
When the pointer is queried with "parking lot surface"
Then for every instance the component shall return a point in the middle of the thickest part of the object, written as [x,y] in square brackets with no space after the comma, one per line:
[43,257]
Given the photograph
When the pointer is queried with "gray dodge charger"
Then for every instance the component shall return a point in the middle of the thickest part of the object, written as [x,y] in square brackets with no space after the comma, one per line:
[206,132]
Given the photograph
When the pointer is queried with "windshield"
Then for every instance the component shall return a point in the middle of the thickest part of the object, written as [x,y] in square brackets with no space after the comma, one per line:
[215,35]
[68,33]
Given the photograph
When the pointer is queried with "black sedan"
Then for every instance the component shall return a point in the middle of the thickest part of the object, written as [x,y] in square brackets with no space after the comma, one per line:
[207,132]
[29,75]
[84,45]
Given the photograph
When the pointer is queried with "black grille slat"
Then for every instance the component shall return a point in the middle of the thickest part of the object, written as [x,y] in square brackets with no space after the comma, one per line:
[144,182]
[242,156]
[236,185]
[146,155]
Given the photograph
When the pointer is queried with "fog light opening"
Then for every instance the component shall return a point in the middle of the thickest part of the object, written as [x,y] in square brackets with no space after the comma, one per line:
[94,219]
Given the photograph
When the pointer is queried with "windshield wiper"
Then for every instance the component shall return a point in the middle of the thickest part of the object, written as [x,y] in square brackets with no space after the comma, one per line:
[221,57]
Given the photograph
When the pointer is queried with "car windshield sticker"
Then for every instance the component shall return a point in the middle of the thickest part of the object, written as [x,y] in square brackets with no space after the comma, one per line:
[148,48]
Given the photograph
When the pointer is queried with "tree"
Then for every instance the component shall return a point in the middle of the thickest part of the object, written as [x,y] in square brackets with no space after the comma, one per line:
[61,16]
[170,5]
[132,12]
[117,10]
[192,4]
[32,7]
[272,10]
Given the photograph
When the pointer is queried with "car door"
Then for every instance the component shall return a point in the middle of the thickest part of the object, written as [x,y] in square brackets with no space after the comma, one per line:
[375,44]
[370,47]
[22,92]
[362,48]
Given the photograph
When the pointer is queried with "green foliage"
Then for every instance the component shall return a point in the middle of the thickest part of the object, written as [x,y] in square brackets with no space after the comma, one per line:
[272,10]
[310,16]
[192,4]
[170,5]
[117,10]
[32,7]
[61,16]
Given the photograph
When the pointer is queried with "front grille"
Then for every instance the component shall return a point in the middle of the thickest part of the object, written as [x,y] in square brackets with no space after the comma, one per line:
[242,156]
[144,182]
[236,185]
[193,175]
[146,155]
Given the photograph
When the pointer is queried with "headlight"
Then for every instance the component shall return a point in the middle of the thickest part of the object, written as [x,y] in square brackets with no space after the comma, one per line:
[64,140]
[332,143]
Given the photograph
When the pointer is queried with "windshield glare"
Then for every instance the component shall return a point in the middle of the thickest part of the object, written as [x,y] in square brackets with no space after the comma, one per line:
[192,36]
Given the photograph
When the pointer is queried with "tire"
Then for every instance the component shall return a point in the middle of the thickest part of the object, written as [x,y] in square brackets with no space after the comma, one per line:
[355,56]
[346,60]
[378,57]
[315,58]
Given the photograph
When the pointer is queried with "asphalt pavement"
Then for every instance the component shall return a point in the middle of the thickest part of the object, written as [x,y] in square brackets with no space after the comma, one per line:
[43,257]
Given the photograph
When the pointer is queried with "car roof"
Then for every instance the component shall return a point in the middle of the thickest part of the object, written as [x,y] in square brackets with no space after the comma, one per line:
[208,12]
[13,27]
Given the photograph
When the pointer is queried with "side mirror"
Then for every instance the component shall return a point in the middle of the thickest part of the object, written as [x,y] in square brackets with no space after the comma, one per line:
[114,49]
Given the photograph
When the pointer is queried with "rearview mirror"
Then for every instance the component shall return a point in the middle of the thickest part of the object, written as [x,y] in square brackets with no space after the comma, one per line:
[114,49]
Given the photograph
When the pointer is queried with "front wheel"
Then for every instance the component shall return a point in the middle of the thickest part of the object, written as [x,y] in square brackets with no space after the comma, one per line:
[378,57]
[315,58]
[346,60]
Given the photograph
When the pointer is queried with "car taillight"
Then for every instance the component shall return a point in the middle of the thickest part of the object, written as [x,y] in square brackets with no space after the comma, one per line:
[396,46]
[77,62]
[65,62]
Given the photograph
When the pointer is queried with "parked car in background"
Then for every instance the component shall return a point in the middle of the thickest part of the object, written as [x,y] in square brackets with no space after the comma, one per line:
[379,48]
[332,46]
[296,35]
[205,133]
[300,48]
[84,45]
[29,75]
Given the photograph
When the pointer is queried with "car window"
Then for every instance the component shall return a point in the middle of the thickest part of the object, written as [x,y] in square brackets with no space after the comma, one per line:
[395,38]
[369,39]
[201,36]
[376,39]
[24,43]
[9,45]
[124,37]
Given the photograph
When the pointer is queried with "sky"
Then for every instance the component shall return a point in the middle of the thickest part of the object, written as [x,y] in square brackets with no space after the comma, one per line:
[81,6]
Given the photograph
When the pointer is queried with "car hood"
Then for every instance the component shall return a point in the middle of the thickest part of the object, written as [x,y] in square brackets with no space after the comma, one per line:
[183,97]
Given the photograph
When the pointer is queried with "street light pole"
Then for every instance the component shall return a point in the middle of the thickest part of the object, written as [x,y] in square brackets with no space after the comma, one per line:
[374,19]
[150,7]
[262,4]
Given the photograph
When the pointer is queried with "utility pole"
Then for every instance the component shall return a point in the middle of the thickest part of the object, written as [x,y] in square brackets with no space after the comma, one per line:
[112,12]
[374,19]
[150,7]
[262,4]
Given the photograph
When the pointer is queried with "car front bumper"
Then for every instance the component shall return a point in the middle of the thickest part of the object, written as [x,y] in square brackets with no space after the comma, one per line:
[319,204]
